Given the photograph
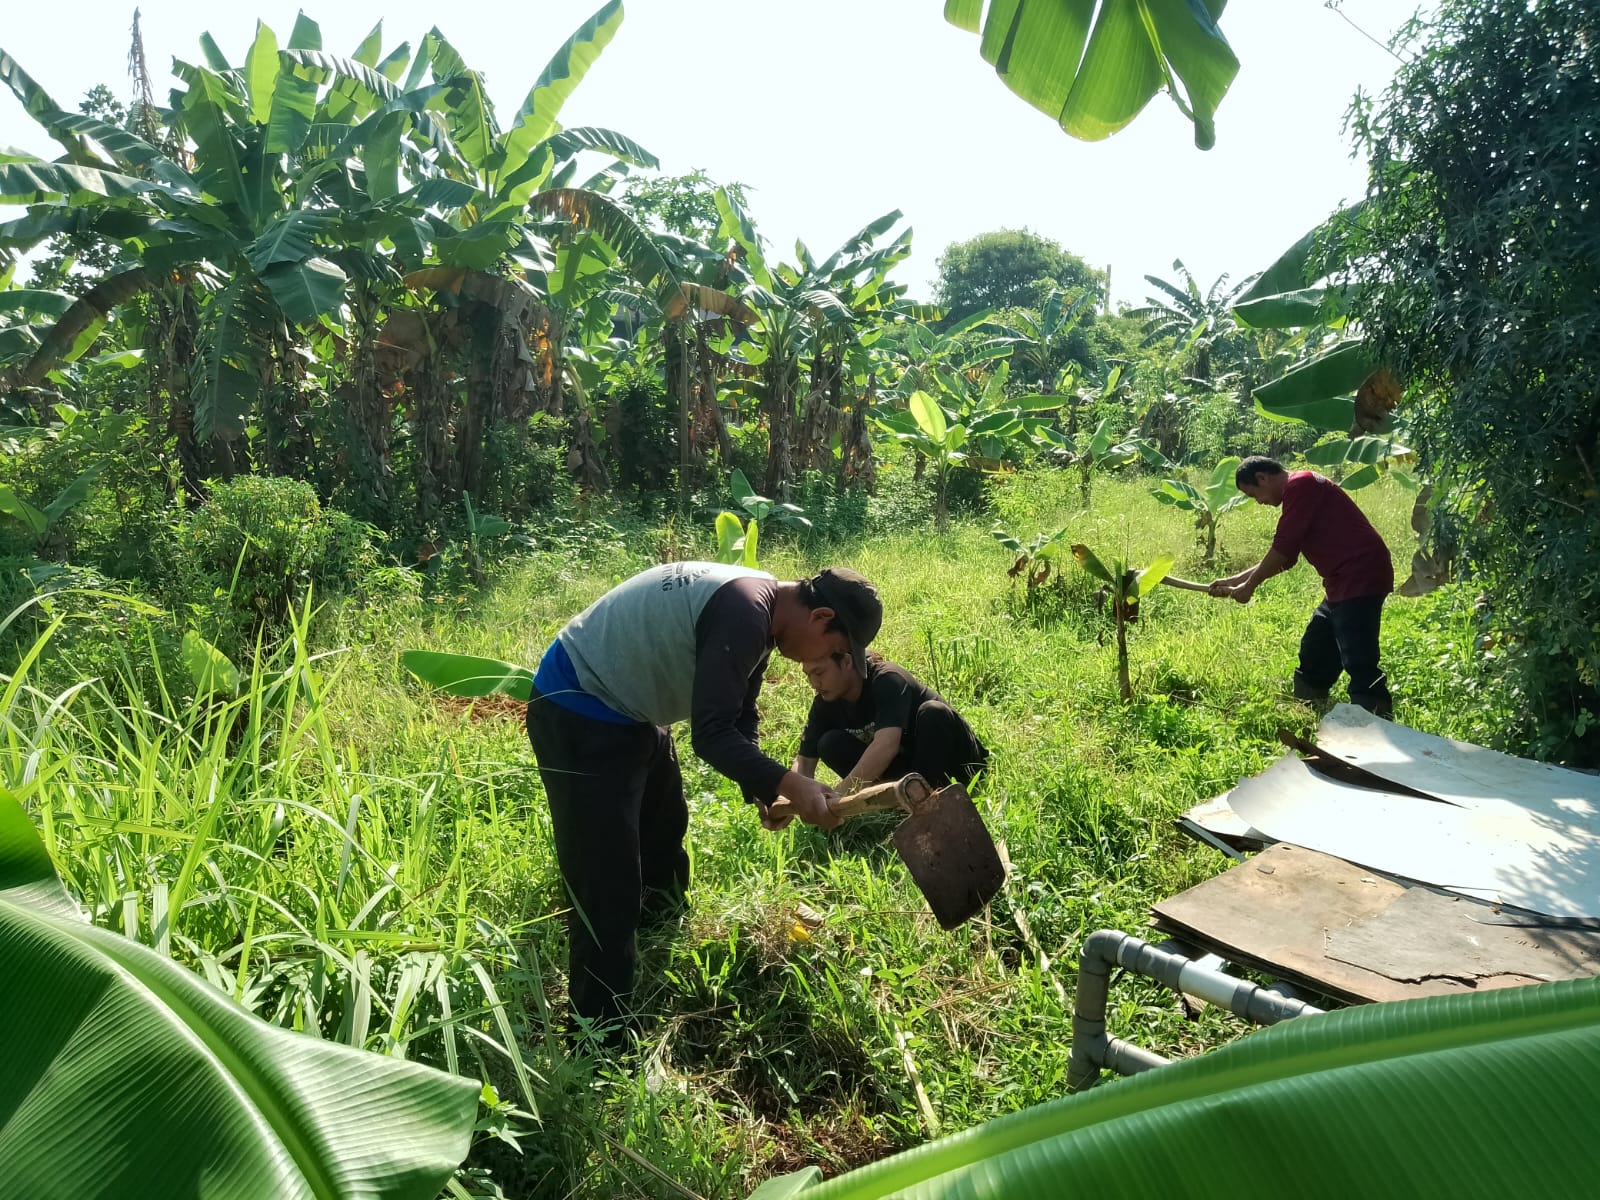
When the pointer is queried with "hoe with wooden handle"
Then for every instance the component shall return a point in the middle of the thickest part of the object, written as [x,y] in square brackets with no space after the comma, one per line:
[1187,585]
[943,842]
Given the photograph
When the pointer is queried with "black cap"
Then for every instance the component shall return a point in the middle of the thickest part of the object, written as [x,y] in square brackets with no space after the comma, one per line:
[855,605]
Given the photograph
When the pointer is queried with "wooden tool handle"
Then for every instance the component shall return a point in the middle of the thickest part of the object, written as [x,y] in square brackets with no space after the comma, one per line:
[900,795]
[1187,585]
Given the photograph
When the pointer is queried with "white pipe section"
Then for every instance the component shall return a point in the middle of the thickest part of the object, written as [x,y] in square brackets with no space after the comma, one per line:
[1094,1050]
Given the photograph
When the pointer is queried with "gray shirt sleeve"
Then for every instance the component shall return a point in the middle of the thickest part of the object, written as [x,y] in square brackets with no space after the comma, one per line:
[732,646]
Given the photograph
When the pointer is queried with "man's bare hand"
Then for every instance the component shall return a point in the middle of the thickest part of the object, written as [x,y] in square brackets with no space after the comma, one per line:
[809,799]
[1220,588]
[777,821]
[1242,593]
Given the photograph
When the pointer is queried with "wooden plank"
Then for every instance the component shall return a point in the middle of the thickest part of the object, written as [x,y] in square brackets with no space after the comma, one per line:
[1274,913]
[1427,935]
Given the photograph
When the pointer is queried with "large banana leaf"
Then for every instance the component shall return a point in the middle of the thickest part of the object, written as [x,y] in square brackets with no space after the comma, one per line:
[126,1075]
[1482,1094]
[214,111]
[37,102]
[469,675]
[1318,391]
[34,181]
[1134,49]
[1222,493]
[639,256]
[227,374]
[1284,296]
[127,151]
[537,118]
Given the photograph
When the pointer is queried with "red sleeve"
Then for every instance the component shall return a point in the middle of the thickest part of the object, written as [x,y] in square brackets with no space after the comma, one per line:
[1299,507]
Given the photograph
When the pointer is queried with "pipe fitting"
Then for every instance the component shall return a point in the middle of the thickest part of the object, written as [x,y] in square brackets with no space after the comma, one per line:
[1094,1050]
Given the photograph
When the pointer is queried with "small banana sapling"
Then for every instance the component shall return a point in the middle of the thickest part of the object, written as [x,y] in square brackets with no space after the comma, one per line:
[737,540]
[1219,496]
[1125,587]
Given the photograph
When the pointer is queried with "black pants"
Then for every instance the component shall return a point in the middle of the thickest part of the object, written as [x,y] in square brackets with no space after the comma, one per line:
[1343,635]
[939,746]
[619,816]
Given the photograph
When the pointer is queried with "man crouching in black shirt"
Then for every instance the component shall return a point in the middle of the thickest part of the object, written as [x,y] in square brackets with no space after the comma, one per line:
[881,724]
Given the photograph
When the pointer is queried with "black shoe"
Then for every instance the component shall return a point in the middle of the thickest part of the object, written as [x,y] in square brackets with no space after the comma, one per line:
[1304,691]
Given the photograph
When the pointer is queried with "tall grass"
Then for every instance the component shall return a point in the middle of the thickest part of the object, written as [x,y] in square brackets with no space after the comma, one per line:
[348,856]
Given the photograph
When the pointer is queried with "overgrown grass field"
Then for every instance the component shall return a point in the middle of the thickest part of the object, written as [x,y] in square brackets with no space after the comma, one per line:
[347,854]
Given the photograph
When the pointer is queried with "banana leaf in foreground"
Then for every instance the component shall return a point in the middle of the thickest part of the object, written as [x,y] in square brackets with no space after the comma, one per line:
[468,675]
[126,1075]
[1487,1094]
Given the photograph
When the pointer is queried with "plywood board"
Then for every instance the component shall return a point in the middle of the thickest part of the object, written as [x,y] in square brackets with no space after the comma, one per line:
[1275,913]
[1491,849]
[1428,935]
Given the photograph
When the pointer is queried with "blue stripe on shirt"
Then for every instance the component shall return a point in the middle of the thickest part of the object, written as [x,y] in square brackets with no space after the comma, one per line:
[557,682]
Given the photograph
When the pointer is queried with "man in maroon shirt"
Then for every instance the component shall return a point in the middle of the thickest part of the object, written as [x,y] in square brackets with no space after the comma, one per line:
[1321,522]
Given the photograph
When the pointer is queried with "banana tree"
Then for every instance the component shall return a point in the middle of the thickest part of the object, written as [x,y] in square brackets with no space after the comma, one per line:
[1106,452]
[1033,557]
[1220,495]
[939,440]
[266,1112]
[1203,324]
[738,542]
[1388,1098]
[1039,340]
[1092,68]
[1125,587]
[247,241]
[966,371]
[503,204]
[816,312]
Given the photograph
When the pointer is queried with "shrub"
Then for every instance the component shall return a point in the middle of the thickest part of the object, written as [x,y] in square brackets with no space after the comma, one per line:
[644,432]
[525,468]
[750,446]
[250,551]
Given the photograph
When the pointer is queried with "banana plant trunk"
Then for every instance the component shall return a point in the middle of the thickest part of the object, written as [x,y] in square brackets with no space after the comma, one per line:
[706,398]
[171,350]
[469,429]
[684,375]
[430,393]
[286,448]
[856,465]
[1119,610]
[368,410]
[781,375]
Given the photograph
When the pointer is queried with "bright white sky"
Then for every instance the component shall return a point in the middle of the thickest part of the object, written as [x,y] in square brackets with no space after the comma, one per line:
[836,111]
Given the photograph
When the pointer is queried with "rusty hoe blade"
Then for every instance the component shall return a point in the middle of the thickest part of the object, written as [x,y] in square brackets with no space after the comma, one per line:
[947,848]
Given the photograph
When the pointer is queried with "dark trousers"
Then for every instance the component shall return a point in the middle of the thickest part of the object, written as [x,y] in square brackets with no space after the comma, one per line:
[1343,635]
[619,817]
[939,746]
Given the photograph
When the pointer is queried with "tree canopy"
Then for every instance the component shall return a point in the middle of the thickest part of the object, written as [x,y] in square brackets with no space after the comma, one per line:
[1478,279]
[1008,268]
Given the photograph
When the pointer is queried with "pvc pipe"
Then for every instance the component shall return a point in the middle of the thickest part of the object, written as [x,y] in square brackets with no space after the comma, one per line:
[1093,1050]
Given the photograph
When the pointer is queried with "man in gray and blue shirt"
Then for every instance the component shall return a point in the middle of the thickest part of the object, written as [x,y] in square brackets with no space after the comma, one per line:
[681,641]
